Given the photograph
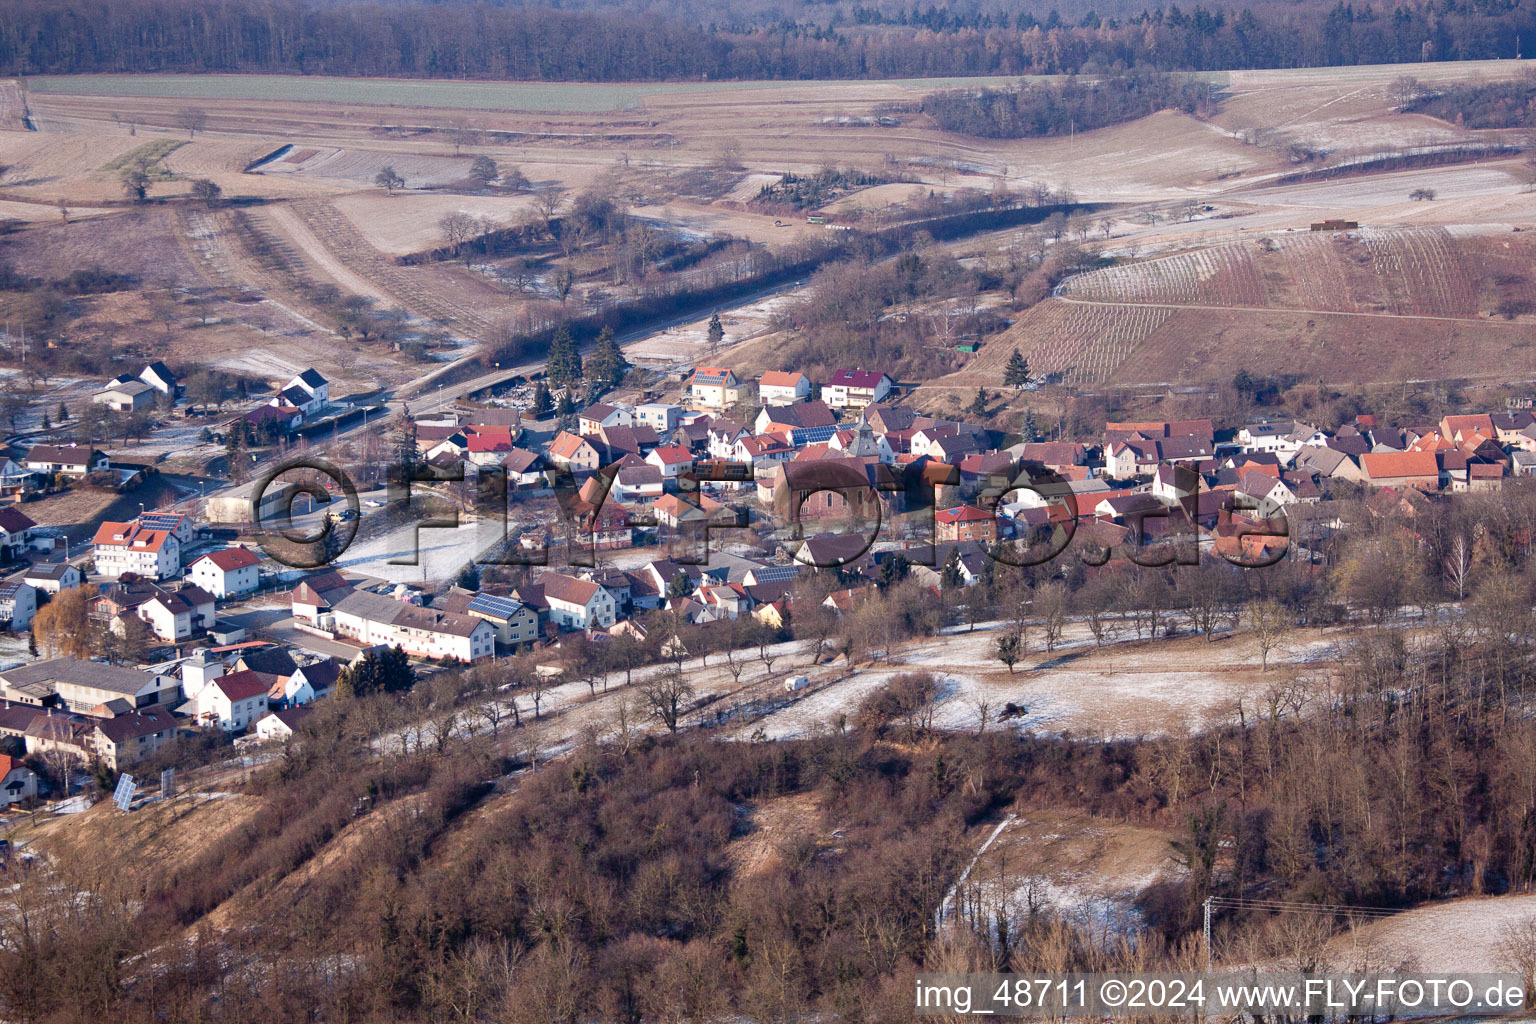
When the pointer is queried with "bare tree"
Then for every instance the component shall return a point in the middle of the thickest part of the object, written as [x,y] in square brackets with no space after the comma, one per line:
[388,178]
[1051,608]
[193,119]
[483,169]
[1458,566]
[547,201]
[462,134]
[667,695]
[495,711]
[1269,622]
[626,722]
[207,191]
[458,230]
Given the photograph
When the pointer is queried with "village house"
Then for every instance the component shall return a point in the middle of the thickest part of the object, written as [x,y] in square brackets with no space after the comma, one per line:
[781,387]
[17,781]
[662,417]
[151,552]
[514,622]
[231,702]
[574,452]
[318,595]
[594,418]
[672,459]
[374,619]
[64,460]
[159,376]
[713,388]
[1401,469]
[309,392]
[311,682]
[608,528]
[226,574]
[638,483]
[524,468]
[117,740]
[855,389]
[802,423]
[174,615]
[126,395]
[15,532]
[577,603]
[279,726]
[18,603]
[965,523]
[53,577]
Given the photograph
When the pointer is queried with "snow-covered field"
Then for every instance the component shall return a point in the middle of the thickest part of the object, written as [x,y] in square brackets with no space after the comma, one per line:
[1126,688]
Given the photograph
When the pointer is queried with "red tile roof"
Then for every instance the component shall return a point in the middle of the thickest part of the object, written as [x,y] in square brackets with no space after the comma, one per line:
[231,559]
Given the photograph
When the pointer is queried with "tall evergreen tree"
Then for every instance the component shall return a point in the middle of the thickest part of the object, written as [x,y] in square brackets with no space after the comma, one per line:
[978,405]
[607,364]
[543,402]
[951,578]
[1016,373]
[564,365]
[716,332]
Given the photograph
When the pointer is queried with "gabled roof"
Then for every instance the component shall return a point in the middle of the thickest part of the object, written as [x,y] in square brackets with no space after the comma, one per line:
[273,660]
[312,377]
[866,379]
[781,379]
[291,717]
[142,722]
[962,514]
[802,415]
[672,455]
[598,411]
[712,376]
[230,559]
[129,535]
[566,445]
[521,460]
[14,521]
[64,455]
[94,674]
[160,370]
[49,571]
[560,587]
[1387,465]
[245,684]
[322,588]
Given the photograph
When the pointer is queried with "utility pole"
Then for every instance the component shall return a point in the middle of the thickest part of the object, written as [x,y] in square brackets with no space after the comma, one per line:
[1207,935]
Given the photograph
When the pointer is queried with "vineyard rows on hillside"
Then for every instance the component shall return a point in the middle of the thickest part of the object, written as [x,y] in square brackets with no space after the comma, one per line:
[1401,271]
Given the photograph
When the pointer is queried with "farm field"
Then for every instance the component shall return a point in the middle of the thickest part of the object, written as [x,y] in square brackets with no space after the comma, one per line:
[1197,298]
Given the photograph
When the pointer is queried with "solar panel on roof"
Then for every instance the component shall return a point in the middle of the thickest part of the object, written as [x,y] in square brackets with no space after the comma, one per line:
[815,435]
[159,520]
[493,604]
[775,573]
